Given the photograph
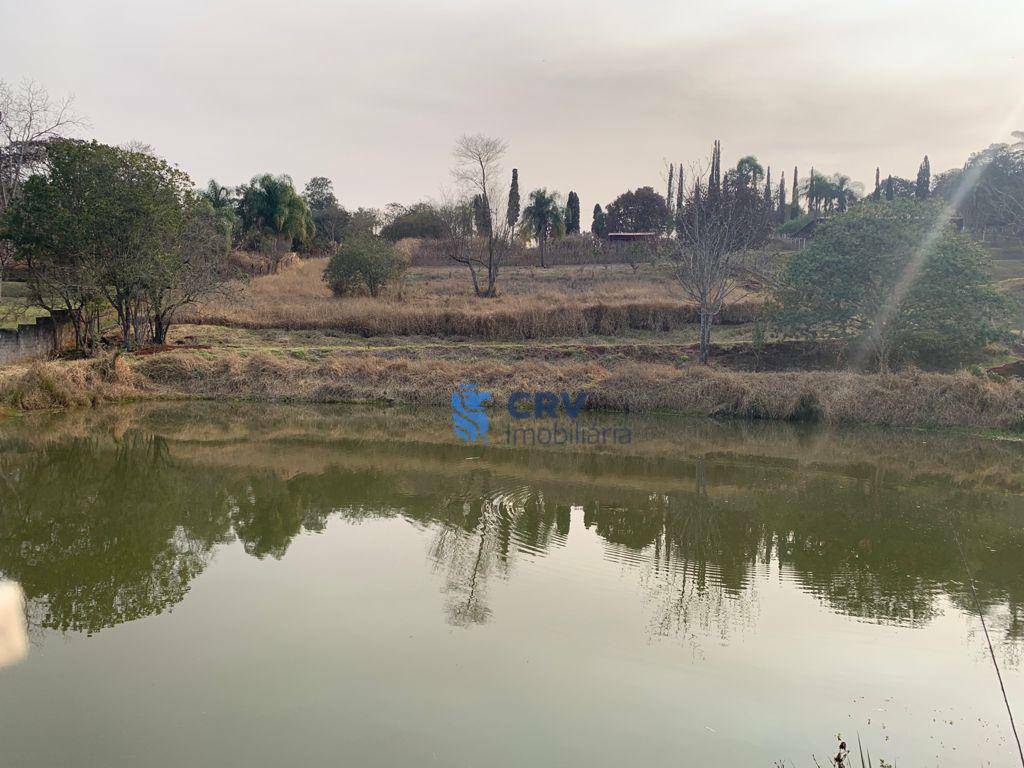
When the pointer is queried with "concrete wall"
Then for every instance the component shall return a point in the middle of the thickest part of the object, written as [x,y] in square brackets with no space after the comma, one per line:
[42,338]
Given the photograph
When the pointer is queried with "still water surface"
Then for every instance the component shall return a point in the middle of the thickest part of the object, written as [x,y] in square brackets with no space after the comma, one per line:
[238,586]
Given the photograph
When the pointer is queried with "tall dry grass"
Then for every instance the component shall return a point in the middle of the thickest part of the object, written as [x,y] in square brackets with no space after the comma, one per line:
[910,398]
[438,301]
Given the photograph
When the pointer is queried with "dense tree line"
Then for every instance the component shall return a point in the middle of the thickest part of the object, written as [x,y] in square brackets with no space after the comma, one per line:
[117,230]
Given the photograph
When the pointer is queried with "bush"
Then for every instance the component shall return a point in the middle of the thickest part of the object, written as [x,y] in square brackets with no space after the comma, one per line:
[794,225]
[896,282]
[363,263]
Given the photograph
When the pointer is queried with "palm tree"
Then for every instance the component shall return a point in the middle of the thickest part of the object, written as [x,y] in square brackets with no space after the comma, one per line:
[270,204]
[818,191]
[543,219]
[846,191]
[216,195]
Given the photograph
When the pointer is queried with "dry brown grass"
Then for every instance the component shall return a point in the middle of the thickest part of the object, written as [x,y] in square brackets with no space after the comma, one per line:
[438,301]
[66,384]
[906,399]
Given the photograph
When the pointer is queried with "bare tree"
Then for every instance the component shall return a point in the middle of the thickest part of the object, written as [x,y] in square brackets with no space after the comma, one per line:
[478,171]
[28,120]
[712,256]
[456,241]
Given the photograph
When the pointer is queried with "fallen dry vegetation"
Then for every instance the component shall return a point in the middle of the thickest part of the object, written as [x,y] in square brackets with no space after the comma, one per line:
[437,301]
[910,398]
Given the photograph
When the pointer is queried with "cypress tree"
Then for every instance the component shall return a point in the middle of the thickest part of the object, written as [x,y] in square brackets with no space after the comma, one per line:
[598,227]
[924,179]
[782,198]
[680,184]
[718,167]
[878,184]
[769,203]
[513,200]
[715,173]
[671,188]
[572,214]
[481,216]
[794,206]
[889,192]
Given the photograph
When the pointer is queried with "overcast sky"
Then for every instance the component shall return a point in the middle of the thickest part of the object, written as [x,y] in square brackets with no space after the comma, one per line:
[591,95]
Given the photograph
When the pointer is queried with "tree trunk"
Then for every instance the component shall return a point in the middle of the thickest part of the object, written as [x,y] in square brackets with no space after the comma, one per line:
[492,279]
[76,323]
[542,243]
[159,330]
[705,336]
[126,333]
[476,281]
[492,270]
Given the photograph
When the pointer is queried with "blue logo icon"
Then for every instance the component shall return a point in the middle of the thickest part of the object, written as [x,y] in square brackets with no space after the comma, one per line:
[469,419]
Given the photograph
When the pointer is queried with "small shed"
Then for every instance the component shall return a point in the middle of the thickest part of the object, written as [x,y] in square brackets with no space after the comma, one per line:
[632,237]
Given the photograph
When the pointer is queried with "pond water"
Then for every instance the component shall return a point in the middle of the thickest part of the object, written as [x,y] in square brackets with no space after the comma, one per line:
[265,586]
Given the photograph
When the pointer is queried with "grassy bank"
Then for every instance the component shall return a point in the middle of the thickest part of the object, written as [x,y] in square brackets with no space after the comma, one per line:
[620,334]
[905,399]
[432,301]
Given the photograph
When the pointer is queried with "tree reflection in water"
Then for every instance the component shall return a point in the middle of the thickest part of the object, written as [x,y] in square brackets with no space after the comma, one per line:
[101,531]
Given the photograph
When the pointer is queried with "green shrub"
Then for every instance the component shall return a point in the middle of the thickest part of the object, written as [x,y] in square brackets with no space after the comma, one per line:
[894,281]
[794,225]
[363,263]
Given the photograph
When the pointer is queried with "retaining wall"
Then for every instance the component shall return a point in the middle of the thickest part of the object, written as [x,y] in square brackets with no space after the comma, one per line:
[41,338]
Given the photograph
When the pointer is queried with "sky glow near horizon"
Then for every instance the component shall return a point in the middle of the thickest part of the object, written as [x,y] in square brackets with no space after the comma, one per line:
[594,97]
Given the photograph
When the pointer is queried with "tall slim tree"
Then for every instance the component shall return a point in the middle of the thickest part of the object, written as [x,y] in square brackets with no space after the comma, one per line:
[769,202]
[680,186]
[671,184]
[671,196]
[599,225]
[877,194]
[924,180]
[782,212]
[794,205]
[481,216]
[512,216]
[715,174]
[572,214]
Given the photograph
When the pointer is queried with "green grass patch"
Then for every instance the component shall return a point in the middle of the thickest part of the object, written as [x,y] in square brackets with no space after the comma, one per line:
[14,311]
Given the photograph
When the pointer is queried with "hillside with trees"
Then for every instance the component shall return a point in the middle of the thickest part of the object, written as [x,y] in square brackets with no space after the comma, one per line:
[735,268]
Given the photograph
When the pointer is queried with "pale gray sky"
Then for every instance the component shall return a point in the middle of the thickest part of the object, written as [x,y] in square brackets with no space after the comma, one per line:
[591,95]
